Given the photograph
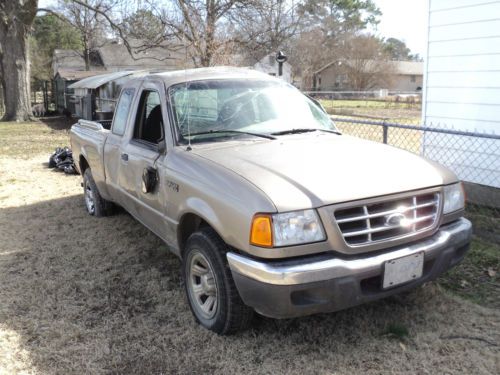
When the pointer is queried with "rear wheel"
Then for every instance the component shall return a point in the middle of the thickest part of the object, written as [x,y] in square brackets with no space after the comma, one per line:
[212,294]
[94,203]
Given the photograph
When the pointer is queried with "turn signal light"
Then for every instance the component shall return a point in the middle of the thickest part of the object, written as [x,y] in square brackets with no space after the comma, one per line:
[261,231]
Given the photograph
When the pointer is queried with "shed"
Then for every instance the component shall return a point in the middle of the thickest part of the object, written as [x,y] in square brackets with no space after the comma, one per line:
[94,97]
[62,80]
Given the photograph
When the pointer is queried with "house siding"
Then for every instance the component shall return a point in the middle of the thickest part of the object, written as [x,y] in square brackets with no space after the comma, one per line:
[403,82]
[462,83]
[329,80]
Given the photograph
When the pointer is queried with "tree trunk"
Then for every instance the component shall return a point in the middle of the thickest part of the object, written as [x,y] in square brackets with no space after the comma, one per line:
[16,18]
[86,52]
[206,59]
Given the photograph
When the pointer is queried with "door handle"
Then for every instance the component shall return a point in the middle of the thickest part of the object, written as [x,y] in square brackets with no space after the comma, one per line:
[125,157]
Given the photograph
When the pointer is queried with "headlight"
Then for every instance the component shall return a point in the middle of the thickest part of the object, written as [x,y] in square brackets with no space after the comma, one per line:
[454,198]
[285,229]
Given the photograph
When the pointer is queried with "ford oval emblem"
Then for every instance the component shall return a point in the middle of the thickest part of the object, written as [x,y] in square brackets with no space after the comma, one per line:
[394,219]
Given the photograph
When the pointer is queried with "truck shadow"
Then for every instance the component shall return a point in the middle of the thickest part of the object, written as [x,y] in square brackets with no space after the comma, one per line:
[105,296]
[59,122]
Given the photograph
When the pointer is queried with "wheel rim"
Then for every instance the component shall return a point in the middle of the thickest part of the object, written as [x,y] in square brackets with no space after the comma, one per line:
[202,286]
[89,199]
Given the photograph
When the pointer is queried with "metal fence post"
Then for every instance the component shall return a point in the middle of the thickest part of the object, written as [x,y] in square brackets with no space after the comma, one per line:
[385,131]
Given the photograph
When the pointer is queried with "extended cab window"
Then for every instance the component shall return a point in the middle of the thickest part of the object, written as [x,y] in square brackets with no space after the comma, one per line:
[121,113]
[149,120]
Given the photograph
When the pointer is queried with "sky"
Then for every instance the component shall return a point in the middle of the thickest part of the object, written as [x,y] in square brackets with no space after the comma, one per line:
[402,19]
[405,20]
[45,3]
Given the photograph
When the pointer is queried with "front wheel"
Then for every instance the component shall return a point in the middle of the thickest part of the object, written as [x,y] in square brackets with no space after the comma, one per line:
[212,294]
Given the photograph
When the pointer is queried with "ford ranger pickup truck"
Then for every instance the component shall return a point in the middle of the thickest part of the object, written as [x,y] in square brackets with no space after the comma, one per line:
[269,207]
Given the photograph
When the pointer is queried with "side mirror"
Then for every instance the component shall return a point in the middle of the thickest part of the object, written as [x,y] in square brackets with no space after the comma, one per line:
[149,179]
[162,146]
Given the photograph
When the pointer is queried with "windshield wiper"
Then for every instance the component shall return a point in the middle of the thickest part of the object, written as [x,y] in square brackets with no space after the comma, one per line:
[231,131]
[304,130]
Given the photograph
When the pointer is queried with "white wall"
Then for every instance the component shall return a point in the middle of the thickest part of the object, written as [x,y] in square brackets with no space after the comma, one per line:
[462,86]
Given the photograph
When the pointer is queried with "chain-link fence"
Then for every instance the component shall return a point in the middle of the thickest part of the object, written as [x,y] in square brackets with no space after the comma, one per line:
[474,157]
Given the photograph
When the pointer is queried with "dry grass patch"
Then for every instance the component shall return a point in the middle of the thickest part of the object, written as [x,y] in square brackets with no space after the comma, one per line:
[104,296]
[23,140]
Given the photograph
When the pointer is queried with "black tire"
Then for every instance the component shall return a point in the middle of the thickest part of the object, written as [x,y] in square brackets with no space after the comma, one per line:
[231,314]
[95,204]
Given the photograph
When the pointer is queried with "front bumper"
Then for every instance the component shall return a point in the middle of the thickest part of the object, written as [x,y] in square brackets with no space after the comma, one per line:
[325,283]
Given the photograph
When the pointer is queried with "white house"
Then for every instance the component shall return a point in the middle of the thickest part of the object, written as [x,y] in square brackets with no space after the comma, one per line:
[462,87]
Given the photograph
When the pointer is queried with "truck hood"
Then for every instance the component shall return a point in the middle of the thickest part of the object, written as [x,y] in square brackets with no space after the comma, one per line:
[316,169]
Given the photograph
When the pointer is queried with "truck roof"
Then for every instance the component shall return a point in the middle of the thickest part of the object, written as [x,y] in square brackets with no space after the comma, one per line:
[198,74]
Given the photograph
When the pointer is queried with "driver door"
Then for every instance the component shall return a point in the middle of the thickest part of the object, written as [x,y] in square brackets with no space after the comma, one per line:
[143,156]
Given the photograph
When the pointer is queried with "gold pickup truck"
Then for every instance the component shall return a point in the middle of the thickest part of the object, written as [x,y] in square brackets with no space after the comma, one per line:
[269,207]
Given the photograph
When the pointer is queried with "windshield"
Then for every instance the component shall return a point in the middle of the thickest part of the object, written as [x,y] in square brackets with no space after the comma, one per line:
[220,109]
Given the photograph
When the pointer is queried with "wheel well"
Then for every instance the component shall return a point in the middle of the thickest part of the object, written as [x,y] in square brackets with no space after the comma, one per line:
[83,164]
[189,224]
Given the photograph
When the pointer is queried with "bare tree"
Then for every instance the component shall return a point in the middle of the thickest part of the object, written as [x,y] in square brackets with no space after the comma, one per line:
[310,53]
[366,64]
[197,25]
[16,18]
[267,26]
[86,16]
[327,29]
[200,25]
[209,30]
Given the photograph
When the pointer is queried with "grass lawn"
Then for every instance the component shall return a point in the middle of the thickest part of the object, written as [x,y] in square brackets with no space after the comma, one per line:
[477,277]
[23,140]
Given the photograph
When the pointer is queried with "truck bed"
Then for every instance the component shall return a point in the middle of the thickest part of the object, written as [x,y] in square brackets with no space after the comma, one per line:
[87,142]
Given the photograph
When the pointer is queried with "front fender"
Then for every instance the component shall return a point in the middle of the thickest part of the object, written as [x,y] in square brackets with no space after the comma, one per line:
[200,208]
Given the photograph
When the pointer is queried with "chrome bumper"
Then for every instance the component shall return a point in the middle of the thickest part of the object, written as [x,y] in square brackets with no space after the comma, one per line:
[300,272]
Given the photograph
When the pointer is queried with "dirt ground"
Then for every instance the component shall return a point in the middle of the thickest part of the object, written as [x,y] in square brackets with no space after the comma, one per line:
[104,296]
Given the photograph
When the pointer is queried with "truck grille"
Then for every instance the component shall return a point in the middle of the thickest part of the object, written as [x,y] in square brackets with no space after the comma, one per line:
[387,220]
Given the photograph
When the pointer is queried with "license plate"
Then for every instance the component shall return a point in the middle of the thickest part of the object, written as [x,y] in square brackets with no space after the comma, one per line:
[401,270]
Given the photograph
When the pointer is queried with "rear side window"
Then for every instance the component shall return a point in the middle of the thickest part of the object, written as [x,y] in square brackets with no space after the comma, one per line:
[122,110]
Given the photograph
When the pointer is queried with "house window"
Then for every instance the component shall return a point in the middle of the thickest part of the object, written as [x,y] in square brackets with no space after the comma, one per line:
[340,80]
[413,78]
